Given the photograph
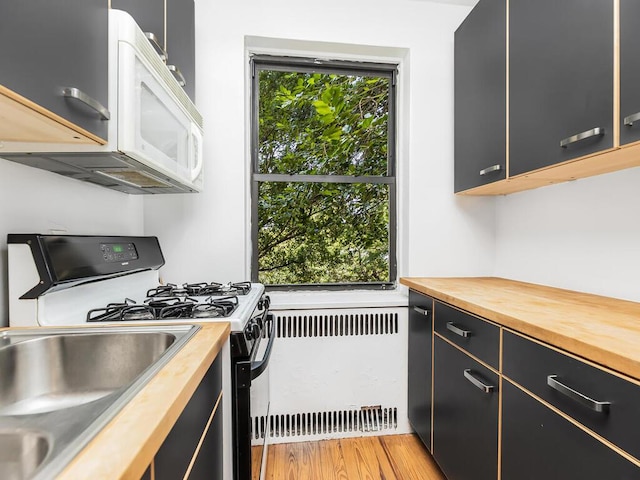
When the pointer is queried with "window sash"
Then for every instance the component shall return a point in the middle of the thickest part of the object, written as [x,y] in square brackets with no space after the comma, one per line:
[263,62]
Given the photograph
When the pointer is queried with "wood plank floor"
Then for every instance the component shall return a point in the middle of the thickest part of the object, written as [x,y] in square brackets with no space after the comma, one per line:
[401,457]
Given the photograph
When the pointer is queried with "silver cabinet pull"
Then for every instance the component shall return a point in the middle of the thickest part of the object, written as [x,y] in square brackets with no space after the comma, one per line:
[594,132]
[72,92]
[628,121]
[492,168]
[478,383]
[457,330]
[422,311]
[156,44]
[596,406]
[178,74]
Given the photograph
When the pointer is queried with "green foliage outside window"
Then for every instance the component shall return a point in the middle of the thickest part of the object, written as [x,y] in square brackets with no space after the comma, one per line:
[312,231]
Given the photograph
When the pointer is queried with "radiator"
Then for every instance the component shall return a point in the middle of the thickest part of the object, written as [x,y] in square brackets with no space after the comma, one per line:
[337,373]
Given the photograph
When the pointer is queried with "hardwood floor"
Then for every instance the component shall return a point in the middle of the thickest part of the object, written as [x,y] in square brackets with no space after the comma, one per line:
[392,457]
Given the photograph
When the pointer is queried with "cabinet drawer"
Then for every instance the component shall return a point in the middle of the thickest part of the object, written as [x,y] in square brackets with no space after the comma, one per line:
[550,374]
[476,336]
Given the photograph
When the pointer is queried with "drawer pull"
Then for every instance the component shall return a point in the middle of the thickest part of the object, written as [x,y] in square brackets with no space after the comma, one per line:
[628,121]
[177,75]
[156,45]
[596,406]
[457,330]
[492,168]
[594,132]
[72,92]
[478,383]
[422,311]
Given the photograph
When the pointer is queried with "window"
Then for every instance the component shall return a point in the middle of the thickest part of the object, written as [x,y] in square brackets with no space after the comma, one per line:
[323,173]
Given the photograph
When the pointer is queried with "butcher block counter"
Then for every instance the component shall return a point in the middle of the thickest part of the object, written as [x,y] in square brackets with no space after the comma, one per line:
[600,329]
[127,445]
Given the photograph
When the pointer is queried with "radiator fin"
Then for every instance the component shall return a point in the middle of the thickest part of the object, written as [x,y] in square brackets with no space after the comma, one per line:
[365,419]
[338,325]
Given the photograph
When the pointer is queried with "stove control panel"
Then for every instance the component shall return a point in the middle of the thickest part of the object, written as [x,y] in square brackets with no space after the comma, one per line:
[118,252]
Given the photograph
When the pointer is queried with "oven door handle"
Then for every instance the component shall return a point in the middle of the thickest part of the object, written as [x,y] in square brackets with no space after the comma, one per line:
[257,367]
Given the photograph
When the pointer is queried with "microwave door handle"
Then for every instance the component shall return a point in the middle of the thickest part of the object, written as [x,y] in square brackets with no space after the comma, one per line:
[260,366]
[196,138]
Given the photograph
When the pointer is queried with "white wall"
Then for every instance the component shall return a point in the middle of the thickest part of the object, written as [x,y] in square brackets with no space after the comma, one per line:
[582,235]
[35,201]
[204,236]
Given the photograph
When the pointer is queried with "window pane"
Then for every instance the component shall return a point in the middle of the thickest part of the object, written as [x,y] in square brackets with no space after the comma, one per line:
[323,233]
[324,124]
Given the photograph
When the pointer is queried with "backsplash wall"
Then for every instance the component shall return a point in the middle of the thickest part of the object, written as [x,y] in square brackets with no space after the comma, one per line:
[35,201]
[582,235]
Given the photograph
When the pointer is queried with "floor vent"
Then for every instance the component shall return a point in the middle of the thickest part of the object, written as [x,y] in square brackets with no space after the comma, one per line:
[365,419]
[336,325]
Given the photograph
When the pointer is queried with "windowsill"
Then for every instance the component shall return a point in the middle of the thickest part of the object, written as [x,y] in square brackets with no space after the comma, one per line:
[337,299]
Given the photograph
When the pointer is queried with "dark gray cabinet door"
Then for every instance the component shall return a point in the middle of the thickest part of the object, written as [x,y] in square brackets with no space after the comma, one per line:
[538,443]
[465,417]
[208,464]
[629,71]
[148,14]
[419,365]
[480,96]
[181,41]
[175,454]
[47,46]
[560,81]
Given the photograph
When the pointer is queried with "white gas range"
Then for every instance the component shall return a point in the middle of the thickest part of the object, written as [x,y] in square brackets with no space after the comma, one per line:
[64,280]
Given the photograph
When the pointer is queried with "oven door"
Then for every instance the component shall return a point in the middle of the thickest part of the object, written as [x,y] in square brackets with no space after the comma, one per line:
[251,402]
[260,402]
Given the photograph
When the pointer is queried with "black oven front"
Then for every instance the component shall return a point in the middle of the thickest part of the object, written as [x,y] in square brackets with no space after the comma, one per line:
[250,353]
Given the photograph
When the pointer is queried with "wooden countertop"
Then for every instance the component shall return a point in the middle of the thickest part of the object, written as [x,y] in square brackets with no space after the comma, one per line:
[601,329]
[125,447]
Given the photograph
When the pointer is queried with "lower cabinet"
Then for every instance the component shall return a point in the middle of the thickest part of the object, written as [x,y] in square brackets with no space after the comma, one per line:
[419,365]
[177,452]
[465,415]
[537,443]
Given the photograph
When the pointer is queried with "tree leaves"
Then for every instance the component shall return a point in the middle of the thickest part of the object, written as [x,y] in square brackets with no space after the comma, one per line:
[322,124]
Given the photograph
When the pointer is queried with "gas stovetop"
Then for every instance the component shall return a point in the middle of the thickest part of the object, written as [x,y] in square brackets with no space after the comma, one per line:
[233,302]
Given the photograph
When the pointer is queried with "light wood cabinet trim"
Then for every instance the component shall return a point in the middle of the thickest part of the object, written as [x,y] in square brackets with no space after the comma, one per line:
[500,366]
[507,83]
[433,361]
[127,445]
[603,330]
[22,120]
[601,439]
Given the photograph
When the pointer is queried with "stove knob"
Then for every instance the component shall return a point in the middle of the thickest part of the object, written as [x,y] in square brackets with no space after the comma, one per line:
[256,330]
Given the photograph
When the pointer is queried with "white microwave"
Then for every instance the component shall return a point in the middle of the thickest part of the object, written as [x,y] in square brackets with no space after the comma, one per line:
[155,131]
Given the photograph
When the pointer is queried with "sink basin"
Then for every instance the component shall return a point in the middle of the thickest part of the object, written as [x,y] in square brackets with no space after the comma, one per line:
[60,386]
[62,371]
[21,453]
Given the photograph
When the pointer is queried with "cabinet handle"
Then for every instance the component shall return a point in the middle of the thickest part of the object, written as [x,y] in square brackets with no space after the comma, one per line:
[164,56]
[492,168]
[457,330]
[422,311]
[72,92]
[594,132]
[600,407]
[628,121]
[177,74]
[478,383]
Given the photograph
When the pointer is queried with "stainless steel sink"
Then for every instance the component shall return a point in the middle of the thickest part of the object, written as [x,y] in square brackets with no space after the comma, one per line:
[21,453]
[61,371]
[60,387]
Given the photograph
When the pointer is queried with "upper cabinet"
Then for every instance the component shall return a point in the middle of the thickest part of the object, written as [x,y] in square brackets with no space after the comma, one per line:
[571,87]
[53,80]
[170,27]
[561,81]
[629,71]
[481,96]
